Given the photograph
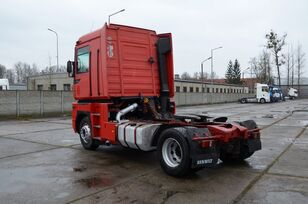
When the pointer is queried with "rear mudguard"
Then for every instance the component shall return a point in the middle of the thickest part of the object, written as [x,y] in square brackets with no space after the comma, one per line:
[200,157]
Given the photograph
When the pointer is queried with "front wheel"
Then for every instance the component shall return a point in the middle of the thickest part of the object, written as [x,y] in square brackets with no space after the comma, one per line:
[243,100]
[173,153]
[262,100]
[85,134]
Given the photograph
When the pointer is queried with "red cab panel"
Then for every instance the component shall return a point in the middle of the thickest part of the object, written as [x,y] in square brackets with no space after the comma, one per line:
[118,61]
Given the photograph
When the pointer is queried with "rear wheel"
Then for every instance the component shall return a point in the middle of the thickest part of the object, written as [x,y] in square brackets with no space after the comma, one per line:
[243,100]
[85,134]
[173,153]
[240,149]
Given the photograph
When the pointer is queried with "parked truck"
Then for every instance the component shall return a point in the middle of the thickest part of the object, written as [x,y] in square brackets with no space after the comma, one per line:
[292,93]
[262,95]
[276,94]
[124,89]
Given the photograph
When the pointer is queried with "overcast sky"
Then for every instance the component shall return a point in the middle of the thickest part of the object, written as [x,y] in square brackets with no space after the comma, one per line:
[237,25]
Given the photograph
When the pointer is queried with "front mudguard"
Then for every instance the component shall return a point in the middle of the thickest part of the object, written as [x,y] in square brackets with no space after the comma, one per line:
[200,157]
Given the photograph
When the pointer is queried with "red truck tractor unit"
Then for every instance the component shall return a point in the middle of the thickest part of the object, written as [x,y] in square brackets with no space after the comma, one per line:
[124,89]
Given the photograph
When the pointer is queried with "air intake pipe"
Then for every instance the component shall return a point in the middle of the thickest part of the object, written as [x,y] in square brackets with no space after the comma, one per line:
[126,110]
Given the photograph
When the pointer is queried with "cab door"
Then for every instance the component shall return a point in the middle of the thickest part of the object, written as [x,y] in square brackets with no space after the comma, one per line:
[82,77]
[94,74]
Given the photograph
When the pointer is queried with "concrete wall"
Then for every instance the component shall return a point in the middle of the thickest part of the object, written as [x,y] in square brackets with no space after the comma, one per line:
[207,98]
[20,103]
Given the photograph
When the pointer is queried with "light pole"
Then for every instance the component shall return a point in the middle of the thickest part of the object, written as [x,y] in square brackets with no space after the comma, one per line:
[244,72]
[212,61]
[114,14]
[202,77]
[243,76]
[57,47]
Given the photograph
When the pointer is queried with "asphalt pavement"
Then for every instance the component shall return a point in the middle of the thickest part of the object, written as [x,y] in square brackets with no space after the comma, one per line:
[42,161]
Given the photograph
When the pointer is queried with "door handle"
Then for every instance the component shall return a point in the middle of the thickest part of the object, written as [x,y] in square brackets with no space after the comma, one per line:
[151,60]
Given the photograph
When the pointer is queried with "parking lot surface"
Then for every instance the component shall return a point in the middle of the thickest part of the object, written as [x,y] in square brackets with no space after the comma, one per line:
[42,161]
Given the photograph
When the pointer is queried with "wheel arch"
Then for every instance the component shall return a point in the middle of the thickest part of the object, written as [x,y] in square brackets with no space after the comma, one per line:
[79,117]
[262,99]
[158,133]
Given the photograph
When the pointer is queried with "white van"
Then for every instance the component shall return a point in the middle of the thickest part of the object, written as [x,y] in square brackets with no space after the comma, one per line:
[4,84]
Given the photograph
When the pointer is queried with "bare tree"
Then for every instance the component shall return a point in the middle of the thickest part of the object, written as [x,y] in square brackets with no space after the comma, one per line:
[2,71]
[10,75]
[265,67]
[261,67]
[300,63]
[185,76]
[24,70]
[292,67]
[275,44]
[196,76]
[288,66]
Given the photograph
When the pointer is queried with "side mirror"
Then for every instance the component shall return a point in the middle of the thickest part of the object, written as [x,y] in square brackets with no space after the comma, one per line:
[70,68]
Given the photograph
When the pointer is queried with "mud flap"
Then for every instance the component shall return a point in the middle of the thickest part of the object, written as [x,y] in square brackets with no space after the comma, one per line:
[254,144]
[200,157]
[206,159]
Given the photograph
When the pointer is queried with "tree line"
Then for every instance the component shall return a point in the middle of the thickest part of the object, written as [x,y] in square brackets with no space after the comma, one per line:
[274,61]
[21,71]
[278,59]
[197,76]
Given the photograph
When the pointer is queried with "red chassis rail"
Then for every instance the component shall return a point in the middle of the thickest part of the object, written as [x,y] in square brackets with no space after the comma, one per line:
[104,130]
[225,133]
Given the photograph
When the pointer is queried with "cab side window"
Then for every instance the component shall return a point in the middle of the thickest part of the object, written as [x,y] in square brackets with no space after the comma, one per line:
[83,60]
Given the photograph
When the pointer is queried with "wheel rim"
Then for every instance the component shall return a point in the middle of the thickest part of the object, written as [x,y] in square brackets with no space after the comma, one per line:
[172,152]
[85,133]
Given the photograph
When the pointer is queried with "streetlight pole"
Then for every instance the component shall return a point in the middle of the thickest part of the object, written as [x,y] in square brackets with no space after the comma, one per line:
[243,77]
[202,75]
[114,14]
[57,47]
[212,62]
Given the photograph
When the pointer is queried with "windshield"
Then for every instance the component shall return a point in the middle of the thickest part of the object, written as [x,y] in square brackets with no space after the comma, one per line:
[265,88]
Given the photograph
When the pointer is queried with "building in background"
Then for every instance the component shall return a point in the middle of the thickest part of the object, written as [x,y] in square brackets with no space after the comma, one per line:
[61,82]
[196,86]
[51,82]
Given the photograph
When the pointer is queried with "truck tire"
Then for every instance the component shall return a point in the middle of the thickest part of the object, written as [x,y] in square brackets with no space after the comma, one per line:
[243,100]
[244,152]
[85,134]
[262,100]
[173,153]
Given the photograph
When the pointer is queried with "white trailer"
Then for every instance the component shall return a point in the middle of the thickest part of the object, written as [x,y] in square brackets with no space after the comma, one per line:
[262,95]
[4,84]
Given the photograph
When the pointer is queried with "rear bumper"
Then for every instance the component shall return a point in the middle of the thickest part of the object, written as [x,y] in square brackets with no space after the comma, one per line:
[205,151]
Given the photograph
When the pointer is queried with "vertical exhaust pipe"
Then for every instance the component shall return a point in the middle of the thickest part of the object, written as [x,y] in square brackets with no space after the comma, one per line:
[163,48]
